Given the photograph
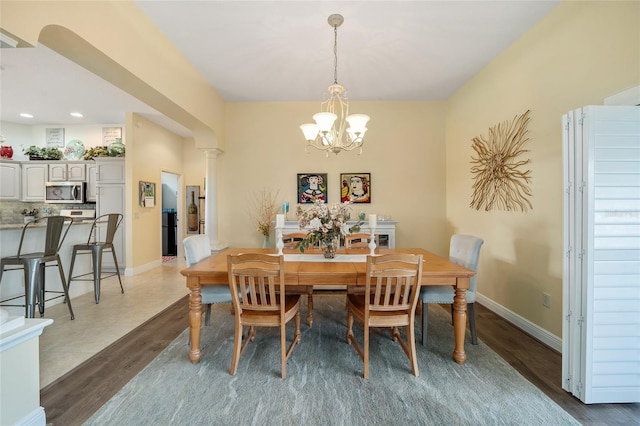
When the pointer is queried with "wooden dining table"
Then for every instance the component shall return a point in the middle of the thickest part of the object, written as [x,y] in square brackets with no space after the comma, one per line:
[348,269]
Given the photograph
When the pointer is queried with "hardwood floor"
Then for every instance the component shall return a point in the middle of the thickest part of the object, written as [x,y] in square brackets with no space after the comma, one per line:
[74,397]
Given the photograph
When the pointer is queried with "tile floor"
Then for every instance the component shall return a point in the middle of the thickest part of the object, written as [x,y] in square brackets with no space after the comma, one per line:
[65,344]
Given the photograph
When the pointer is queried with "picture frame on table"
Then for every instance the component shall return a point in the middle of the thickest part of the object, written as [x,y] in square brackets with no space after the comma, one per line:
[312,187]
[355,187]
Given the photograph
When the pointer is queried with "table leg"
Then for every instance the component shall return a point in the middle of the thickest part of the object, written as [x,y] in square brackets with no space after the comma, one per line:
[195,320]
[459,324]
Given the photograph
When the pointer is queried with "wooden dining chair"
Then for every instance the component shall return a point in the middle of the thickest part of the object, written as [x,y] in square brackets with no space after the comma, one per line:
[290,241]
[391,294]
[358,240]
[259,298]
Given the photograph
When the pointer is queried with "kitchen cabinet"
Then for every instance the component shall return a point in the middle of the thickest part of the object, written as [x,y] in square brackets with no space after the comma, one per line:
[34,176]
[65,171]
[110,170]
[91,183]
[110,198]
[9,180]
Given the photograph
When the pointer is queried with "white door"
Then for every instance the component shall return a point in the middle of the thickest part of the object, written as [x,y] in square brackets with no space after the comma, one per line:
[601,306]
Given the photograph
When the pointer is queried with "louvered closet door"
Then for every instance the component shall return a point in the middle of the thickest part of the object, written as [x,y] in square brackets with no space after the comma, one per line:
[606,312]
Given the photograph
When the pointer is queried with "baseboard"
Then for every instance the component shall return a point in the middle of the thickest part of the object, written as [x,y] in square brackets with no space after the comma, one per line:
[524,324]
[34,418]
[129,272]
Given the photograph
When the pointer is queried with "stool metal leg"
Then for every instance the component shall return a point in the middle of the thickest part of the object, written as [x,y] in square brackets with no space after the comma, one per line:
[115,260]
[96,258]
[65,287]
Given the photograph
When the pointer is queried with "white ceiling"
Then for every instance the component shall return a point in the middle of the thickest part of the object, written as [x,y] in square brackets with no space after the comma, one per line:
[283,51]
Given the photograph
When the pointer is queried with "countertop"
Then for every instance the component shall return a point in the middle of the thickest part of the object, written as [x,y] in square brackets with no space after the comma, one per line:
[9,226]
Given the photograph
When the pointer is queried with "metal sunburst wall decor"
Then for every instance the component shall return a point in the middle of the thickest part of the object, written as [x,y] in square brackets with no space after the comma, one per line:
[499,182]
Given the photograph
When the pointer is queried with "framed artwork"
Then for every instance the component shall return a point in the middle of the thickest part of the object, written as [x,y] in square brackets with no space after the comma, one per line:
[110,134]
[355,187]
[55,137]
[147,194]
[311,187]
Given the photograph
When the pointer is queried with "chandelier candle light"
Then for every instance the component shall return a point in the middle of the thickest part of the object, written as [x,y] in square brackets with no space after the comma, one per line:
[329,133]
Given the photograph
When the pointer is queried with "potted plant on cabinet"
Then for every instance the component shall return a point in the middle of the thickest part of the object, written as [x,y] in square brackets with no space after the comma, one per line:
[37,153]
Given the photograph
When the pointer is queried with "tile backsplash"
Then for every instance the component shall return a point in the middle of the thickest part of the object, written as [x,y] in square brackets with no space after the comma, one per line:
[10,211]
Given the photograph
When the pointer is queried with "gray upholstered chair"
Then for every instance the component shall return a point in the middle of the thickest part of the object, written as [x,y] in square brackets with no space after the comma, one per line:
[196,248]
[465,251]
[34,264]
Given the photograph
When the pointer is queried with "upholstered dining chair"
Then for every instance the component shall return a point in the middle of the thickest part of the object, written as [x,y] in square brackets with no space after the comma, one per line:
[96,249]
[391,295]
[290,241]
[196,248]
[34,264]
[256,283]
[465,251]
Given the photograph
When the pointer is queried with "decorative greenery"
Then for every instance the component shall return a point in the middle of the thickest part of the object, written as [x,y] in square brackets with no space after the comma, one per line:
[324,223]
[31,212]
[263,210]
[96,151]
[499,184]
[43,153]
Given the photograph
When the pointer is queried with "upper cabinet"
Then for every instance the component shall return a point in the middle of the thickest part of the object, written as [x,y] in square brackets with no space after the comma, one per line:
[9,180]
[34,175]
[109,170]
[67,171]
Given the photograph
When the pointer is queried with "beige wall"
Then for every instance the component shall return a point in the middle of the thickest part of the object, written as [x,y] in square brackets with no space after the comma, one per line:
[403,151]
[151,150]
[579,54]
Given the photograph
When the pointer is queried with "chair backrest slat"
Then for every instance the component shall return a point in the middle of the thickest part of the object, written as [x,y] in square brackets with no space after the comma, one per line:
[257,278]
[393,282]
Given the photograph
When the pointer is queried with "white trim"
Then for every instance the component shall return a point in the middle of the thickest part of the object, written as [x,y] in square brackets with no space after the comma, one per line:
[36,417]
[129,272]
[630,96]
[524,324]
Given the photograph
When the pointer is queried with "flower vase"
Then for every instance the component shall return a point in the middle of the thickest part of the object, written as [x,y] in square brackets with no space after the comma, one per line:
[329,247]
[265,242]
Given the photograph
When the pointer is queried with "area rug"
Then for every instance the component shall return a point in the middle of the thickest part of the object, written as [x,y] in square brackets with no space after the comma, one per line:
[324,384]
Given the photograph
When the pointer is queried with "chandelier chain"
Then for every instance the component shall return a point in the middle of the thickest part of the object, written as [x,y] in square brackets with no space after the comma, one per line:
[335,55]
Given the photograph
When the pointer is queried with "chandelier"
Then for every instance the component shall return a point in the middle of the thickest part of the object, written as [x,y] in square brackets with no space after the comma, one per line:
[334,129]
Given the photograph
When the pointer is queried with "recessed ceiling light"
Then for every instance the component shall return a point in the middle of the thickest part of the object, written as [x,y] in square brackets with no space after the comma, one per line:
[77,114]
[25,115]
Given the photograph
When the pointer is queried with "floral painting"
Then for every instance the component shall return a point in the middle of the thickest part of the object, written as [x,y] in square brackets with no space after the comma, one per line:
[355,187]
[312,187]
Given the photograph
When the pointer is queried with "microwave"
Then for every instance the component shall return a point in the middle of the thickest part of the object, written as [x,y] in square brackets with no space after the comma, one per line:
[65,192]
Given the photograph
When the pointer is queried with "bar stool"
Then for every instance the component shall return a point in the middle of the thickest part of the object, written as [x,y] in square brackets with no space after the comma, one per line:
[96,249]
[34,264]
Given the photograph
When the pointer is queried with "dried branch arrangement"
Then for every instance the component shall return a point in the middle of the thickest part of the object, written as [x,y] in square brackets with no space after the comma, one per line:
[499,184]
[263,209]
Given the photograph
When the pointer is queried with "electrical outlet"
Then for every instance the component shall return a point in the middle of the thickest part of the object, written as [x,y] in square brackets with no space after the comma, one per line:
[546,300]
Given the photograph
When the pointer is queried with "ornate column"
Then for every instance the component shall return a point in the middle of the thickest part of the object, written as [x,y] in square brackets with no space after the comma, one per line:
[211,199]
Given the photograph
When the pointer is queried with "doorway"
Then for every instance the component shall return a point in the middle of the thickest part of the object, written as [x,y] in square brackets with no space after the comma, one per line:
[170,216]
